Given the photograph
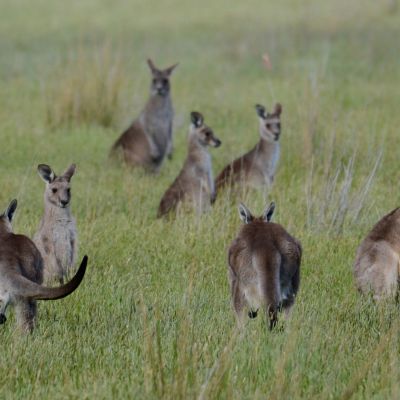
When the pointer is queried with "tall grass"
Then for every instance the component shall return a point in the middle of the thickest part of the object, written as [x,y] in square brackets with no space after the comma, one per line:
[334,199]
[86,88]
[152,318]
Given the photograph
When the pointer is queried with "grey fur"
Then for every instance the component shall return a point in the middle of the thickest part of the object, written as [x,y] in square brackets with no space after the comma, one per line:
[57,237]
[377,264]
[257,167]
[195,183]
[150,137]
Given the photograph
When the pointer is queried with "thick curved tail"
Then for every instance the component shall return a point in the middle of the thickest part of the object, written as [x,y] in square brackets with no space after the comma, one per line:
[26,288]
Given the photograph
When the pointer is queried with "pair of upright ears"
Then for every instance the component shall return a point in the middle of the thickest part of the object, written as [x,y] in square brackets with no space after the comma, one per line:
[48,175]
[155,70]
[263,113]
[246,216]
[9,213]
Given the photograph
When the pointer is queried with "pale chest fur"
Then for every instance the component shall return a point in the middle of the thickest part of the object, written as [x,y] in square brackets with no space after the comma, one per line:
[264,164]
[200,180]
[156,120]
[58,238]
[202,173]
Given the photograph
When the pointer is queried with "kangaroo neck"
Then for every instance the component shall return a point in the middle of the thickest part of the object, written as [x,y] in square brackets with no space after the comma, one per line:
[158,104]
[197,153]
[265,146]
[53,212]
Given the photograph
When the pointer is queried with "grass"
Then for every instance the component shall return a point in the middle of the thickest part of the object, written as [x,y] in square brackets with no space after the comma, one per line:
[152,318]
[86,90]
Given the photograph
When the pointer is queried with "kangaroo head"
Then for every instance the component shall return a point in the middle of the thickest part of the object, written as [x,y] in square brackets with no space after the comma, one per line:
[160,85]
[58,188]
[247,217]
[202,132]
[270,123]
[7,217]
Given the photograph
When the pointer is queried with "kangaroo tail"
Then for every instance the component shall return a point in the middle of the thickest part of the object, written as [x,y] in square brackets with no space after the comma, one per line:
[27,288]
[268,275]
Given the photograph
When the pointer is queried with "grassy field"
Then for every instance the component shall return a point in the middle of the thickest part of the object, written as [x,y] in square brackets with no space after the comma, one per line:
[152,318]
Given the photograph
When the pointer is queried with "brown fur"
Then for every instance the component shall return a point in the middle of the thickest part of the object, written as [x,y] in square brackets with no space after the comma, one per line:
[256,167]
[150,138]
[21,274]
[377,263]
[194,183]
[263,267]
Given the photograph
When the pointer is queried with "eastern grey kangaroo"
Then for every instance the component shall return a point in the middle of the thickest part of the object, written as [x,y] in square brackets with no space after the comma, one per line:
[150,137]
[263,267]
[57,238]
[21,274]
[377,264]
[257,167]
[195,181]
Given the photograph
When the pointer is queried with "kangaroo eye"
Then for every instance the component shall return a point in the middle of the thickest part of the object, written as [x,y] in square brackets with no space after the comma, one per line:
[69,191]
[268,126]
[54,190]
[165,81]
[208,134]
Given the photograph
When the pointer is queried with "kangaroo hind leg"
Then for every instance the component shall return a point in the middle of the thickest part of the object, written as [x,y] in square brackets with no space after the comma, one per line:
[26,313]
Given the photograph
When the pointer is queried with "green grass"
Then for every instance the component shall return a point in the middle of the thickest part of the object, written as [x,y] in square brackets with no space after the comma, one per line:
[152,318]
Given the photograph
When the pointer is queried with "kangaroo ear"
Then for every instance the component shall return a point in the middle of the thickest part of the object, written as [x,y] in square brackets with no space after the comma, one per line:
[245,214]
[267,215]
[46,173]
[169,70]
[197,119]
[261,112]
[278,109]
[69,172]
[153,68]
[11,210]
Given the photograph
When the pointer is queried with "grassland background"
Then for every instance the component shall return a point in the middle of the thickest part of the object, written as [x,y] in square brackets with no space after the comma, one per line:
[152,318]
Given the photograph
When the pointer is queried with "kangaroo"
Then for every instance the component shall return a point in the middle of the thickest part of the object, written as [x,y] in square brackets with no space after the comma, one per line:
[263,267]
[195,181]
[21,274]
[377,264]
[257,167]
[57,236]
[149,138]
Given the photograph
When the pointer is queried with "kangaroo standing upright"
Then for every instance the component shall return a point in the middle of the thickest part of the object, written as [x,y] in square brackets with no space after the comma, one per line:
[377,264]
[263,267]
[21,274]
[150,138]
[57,236]
[195,181]
[257,167]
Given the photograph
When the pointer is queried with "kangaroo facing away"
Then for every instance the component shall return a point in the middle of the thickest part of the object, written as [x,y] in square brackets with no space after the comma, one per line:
[257,167]
[195,181]
[149,138]
[377,264]
[263,267]
[57,236]
[21,274]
